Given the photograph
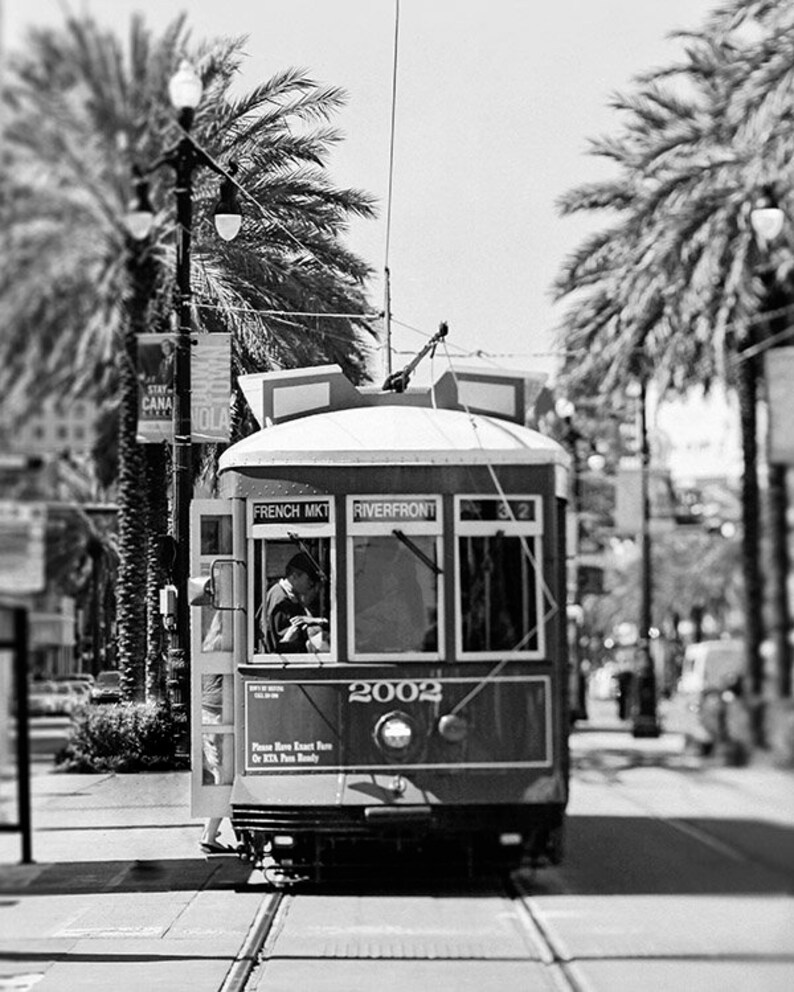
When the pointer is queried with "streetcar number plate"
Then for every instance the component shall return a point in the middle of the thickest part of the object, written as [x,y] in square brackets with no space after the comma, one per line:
[424,691]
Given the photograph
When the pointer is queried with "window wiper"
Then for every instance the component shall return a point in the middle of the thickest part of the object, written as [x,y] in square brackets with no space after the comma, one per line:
[401,537]
[296,540]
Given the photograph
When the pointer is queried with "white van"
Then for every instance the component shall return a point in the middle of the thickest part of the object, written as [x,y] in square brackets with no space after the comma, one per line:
[711,665]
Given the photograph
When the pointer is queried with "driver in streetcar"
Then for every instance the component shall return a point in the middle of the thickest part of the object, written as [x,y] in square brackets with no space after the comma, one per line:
[289,625]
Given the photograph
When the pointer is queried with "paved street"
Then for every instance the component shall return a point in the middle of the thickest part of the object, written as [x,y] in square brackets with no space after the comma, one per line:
[678,872]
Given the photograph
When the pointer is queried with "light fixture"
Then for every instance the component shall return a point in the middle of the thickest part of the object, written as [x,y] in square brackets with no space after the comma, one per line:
[766,215]
[564,408]
[185,87]
[140,216]
[227,215]
[634,389]
[453,728]
[394,733]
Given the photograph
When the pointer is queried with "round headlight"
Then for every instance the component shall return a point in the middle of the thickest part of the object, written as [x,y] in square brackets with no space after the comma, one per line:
[394,732]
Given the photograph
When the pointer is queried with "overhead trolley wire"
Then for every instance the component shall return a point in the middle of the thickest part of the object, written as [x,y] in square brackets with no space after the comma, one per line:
[389,196]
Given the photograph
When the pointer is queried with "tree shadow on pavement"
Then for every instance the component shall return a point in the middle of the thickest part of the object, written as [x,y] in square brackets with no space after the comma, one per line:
[646,855]
[84,877]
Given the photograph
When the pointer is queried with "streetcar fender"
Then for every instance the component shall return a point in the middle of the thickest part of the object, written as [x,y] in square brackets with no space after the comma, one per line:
[546,789]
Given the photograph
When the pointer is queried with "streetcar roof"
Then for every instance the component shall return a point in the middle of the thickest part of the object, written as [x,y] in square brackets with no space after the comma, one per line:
[385,435]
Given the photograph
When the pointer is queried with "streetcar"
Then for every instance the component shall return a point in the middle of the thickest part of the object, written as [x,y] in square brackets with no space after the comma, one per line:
[424,701]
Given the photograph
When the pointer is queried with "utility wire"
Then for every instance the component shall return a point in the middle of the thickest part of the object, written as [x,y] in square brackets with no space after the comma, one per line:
[386,268]
[392,133]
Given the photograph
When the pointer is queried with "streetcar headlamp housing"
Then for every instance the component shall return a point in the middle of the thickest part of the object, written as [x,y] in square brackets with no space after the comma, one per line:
[394,733]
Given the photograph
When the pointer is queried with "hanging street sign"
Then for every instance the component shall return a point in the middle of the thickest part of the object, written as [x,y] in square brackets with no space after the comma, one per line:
[22,538]
[210,386]
[779,372]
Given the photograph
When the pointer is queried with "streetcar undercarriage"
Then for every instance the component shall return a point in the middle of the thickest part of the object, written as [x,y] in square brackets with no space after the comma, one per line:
[293,846]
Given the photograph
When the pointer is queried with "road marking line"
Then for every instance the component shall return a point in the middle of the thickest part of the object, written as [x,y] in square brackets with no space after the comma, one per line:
[707,839]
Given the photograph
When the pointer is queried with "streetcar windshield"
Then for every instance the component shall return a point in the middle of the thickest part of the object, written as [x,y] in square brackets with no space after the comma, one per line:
[498,595]
[498,577]
[395,594]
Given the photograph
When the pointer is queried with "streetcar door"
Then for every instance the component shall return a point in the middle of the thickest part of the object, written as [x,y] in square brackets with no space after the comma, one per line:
[217,633]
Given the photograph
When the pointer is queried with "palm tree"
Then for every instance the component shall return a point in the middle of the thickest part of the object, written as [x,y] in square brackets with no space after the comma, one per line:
[81,107]
[673,279]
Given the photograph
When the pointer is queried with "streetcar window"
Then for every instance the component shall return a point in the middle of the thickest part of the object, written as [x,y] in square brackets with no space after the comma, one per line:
[305,595]
[394,558]
[216,535]
[217,739]
[216,630]
[395,595]
[498,577]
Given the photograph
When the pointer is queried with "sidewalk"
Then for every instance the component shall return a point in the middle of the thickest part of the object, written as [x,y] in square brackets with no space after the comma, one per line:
[119,896]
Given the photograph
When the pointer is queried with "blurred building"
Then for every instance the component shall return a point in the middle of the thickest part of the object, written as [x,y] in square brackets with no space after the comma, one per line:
[49,507]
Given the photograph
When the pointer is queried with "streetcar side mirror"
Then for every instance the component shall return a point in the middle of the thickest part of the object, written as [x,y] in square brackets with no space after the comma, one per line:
[200,590]
[215,589]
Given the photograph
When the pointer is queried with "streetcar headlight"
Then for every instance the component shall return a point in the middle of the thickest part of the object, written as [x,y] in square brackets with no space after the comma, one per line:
[394,732]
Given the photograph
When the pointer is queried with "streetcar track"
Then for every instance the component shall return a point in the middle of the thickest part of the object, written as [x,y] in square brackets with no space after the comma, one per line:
[248,956]
[562,971]
[270,918]
[704,837]
[697,833]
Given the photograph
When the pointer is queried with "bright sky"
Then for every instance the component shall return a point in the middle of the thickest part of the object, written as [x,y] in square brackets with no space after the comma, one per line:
[495,102]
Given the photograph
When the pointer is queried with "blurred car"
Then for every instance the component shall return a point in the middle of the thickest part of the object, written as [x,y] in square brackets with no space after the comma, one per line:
[710,670]
[107,688]
[711,665]
[80,692]
[86,678]
[51,698]
[42,699]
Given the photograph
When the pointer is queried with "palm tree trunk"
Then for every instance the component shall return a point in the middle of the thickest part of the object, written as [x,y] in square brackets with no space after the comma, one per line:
[131,587]
[780,562]
[156,524]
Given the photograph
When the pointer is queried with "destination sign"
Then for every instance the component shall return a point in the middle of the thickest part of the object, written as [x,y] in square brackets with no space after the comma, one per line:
[316,511]
[497,509]
[394,510]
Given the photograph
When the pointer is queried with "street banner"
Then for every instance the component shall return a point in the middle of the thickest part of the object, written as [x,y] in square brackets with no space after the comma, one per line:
[779,371]
[22,537]
[628,499]
[211,387]
[156,378]
[210,375]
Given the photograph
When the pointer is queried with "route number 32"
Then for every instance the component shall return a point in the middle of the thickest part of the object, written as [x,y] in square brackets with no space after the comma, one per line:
[426,691]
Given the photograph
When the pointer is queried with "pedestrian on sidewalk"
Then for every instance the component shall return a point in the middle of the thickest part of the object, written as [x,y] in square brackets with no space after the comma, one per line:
[214,767]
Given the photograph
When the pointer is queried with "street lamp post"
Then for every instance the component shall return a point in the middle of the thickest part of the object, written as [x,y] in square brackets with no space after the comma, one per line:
[185,91]
[565,410]
[645,722]
[767,220]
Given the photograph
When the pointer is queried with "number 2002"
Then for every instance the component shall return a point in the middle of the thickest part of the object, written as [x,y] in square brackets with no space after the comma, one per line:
[427,691]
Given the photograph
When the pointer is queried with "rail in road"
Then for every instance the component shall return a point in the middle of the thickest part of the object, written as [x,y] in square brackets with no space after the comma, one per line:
[408,940]
[678,874]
